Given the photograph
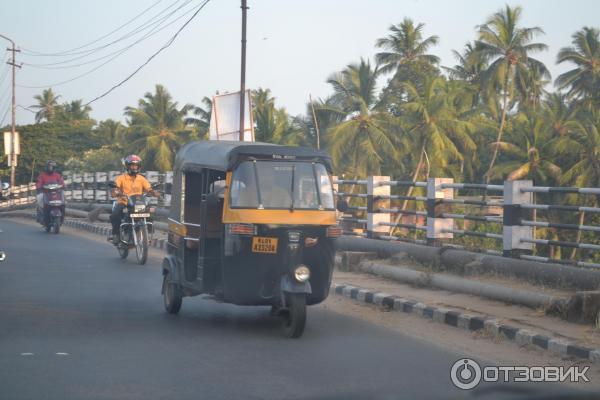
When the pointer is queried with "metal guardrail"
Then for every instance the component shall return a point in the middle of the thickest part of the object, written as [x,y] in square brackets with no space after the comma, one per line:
[379,218]
[518,232]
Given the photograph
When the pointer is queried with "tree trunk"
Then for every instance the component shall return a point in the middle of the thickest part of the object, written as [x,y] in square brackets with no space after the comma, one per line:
[578,240]
[410,189]
[500,131]
[415,176]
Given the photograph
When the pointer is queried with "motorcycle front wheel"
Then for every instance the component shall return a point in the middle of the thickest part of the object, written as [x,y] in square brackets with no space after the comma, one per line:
[123,251]
[141,249]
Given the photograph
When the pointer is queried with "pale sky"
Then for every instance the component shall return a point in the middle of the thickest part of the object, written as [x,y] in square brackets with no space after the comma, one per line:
[293,46]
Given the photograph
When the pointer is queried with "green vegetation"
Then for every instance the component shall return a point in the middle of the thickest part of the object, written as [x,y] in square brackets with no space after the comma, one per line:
[490,117]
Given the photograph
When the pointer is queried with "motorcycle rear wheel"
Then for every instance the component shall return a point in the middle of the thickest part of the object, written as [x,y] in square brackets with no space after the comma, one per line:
[56,225]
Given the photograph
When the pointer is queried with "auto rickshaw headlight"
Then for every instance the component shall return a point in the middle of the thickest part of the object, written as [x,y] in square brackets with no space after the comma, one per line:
[302,273]
[294,236]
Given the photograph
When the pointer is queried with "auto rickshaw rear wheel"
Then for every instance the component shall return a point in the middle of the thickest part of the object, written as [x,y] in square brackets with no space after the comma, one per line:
[294,317]
[171,295]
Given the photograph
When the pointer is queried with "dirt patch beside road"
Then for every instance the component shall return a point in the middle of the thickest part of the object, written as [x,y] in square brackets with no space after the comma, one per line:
[515,315]
[476,345]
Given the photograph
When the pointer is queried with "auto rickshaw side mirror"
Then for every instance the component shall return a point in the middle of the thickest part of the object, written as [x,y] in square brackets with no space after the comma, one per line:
[342,205]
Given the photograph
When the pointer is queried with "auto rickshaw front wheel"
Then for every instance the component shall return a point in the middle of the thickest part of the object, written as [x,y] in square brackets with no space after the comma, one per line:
[294,317]
[171,295]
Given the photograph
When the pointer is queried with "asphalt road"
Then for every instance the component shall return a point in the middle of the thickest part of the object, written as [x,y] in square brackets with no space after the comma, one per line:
[76,322]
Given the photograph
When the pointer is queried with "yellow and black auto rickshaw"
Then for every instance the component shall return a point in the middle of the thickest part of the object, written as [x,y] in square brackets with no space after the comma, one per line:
[251,224]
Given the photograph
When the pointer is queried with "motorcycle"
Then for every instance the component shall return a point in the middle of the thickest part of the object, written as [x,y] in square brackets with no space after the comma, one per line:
[136,227]
[52,215]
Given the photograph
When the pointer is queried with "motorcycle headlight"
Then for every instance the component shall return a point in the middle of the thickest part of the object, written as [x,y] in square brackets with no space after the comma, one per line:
[302,273]
[139,207]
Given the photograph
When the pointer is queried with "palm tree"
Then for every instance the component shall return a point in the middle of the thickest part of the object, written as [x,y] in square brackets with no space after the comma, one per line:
[582,82]
[530,151]
[435,135]
[110,131]
[531,156]
[531,89]
[585,141]
[201,117]
[272,124]
[264,115]
[506,47]
[559,114]
[47,104]
[74,111]
[157,127]
[364,139]
[405,44]
[406,56]
[326,114]
[469,67]
[559,117]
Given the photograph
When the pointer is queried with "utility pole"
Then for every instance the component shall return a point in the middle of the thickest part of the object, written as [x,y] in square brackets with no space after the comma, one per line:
[13,156]
[243,78]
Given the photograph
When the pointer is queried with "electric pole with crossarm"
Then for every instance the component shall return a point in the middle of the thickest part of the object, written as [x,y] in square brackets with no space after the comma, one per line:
[12,157]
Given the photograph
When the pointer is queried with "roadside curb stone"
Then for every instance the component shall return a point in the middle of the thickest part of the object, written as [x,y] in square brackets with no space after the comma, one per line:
[468,322]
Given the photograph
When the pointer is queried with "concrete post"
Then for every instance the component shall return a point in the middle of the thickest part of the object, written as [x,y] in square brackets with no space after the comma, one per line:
[435,208]
[512,231]
[374,190]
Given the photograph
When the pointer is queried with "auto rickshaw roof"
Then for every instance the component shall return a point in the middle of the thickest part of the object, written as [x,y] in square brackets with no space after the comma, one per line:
[225,155]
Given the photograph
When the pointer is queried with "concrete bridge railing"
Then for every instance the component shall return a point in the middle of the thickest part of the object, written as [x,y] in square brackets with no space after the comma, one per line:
[505,217]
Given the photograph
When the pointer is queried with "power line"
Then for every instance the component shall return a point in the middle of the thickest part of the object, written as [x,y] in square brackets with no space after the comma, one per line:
[152,56]
[61,53]
[124,37]
[27,109]
[4,75]
[5,90]
[4,117]
[4,97]
[151,33]
[5,103]
[155,31]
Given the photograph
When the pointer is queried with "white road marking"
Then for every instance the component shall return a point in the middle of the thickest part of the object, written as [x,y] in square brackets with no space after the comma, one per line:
[62,354]
[27,354]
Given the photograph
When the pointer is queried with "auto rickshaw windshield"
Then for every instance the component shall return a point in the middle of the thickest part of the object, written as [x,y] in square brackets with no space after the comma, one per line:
[281,185]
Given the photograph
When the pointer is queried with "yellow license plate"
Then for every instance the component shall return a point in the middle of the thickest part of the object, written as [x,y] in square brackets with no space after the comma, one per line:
[264,245]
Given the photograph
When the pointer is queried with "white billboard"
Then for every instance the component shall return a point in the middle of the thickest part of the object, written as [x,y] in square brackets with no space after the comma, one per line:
[225,117]
[8,140]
